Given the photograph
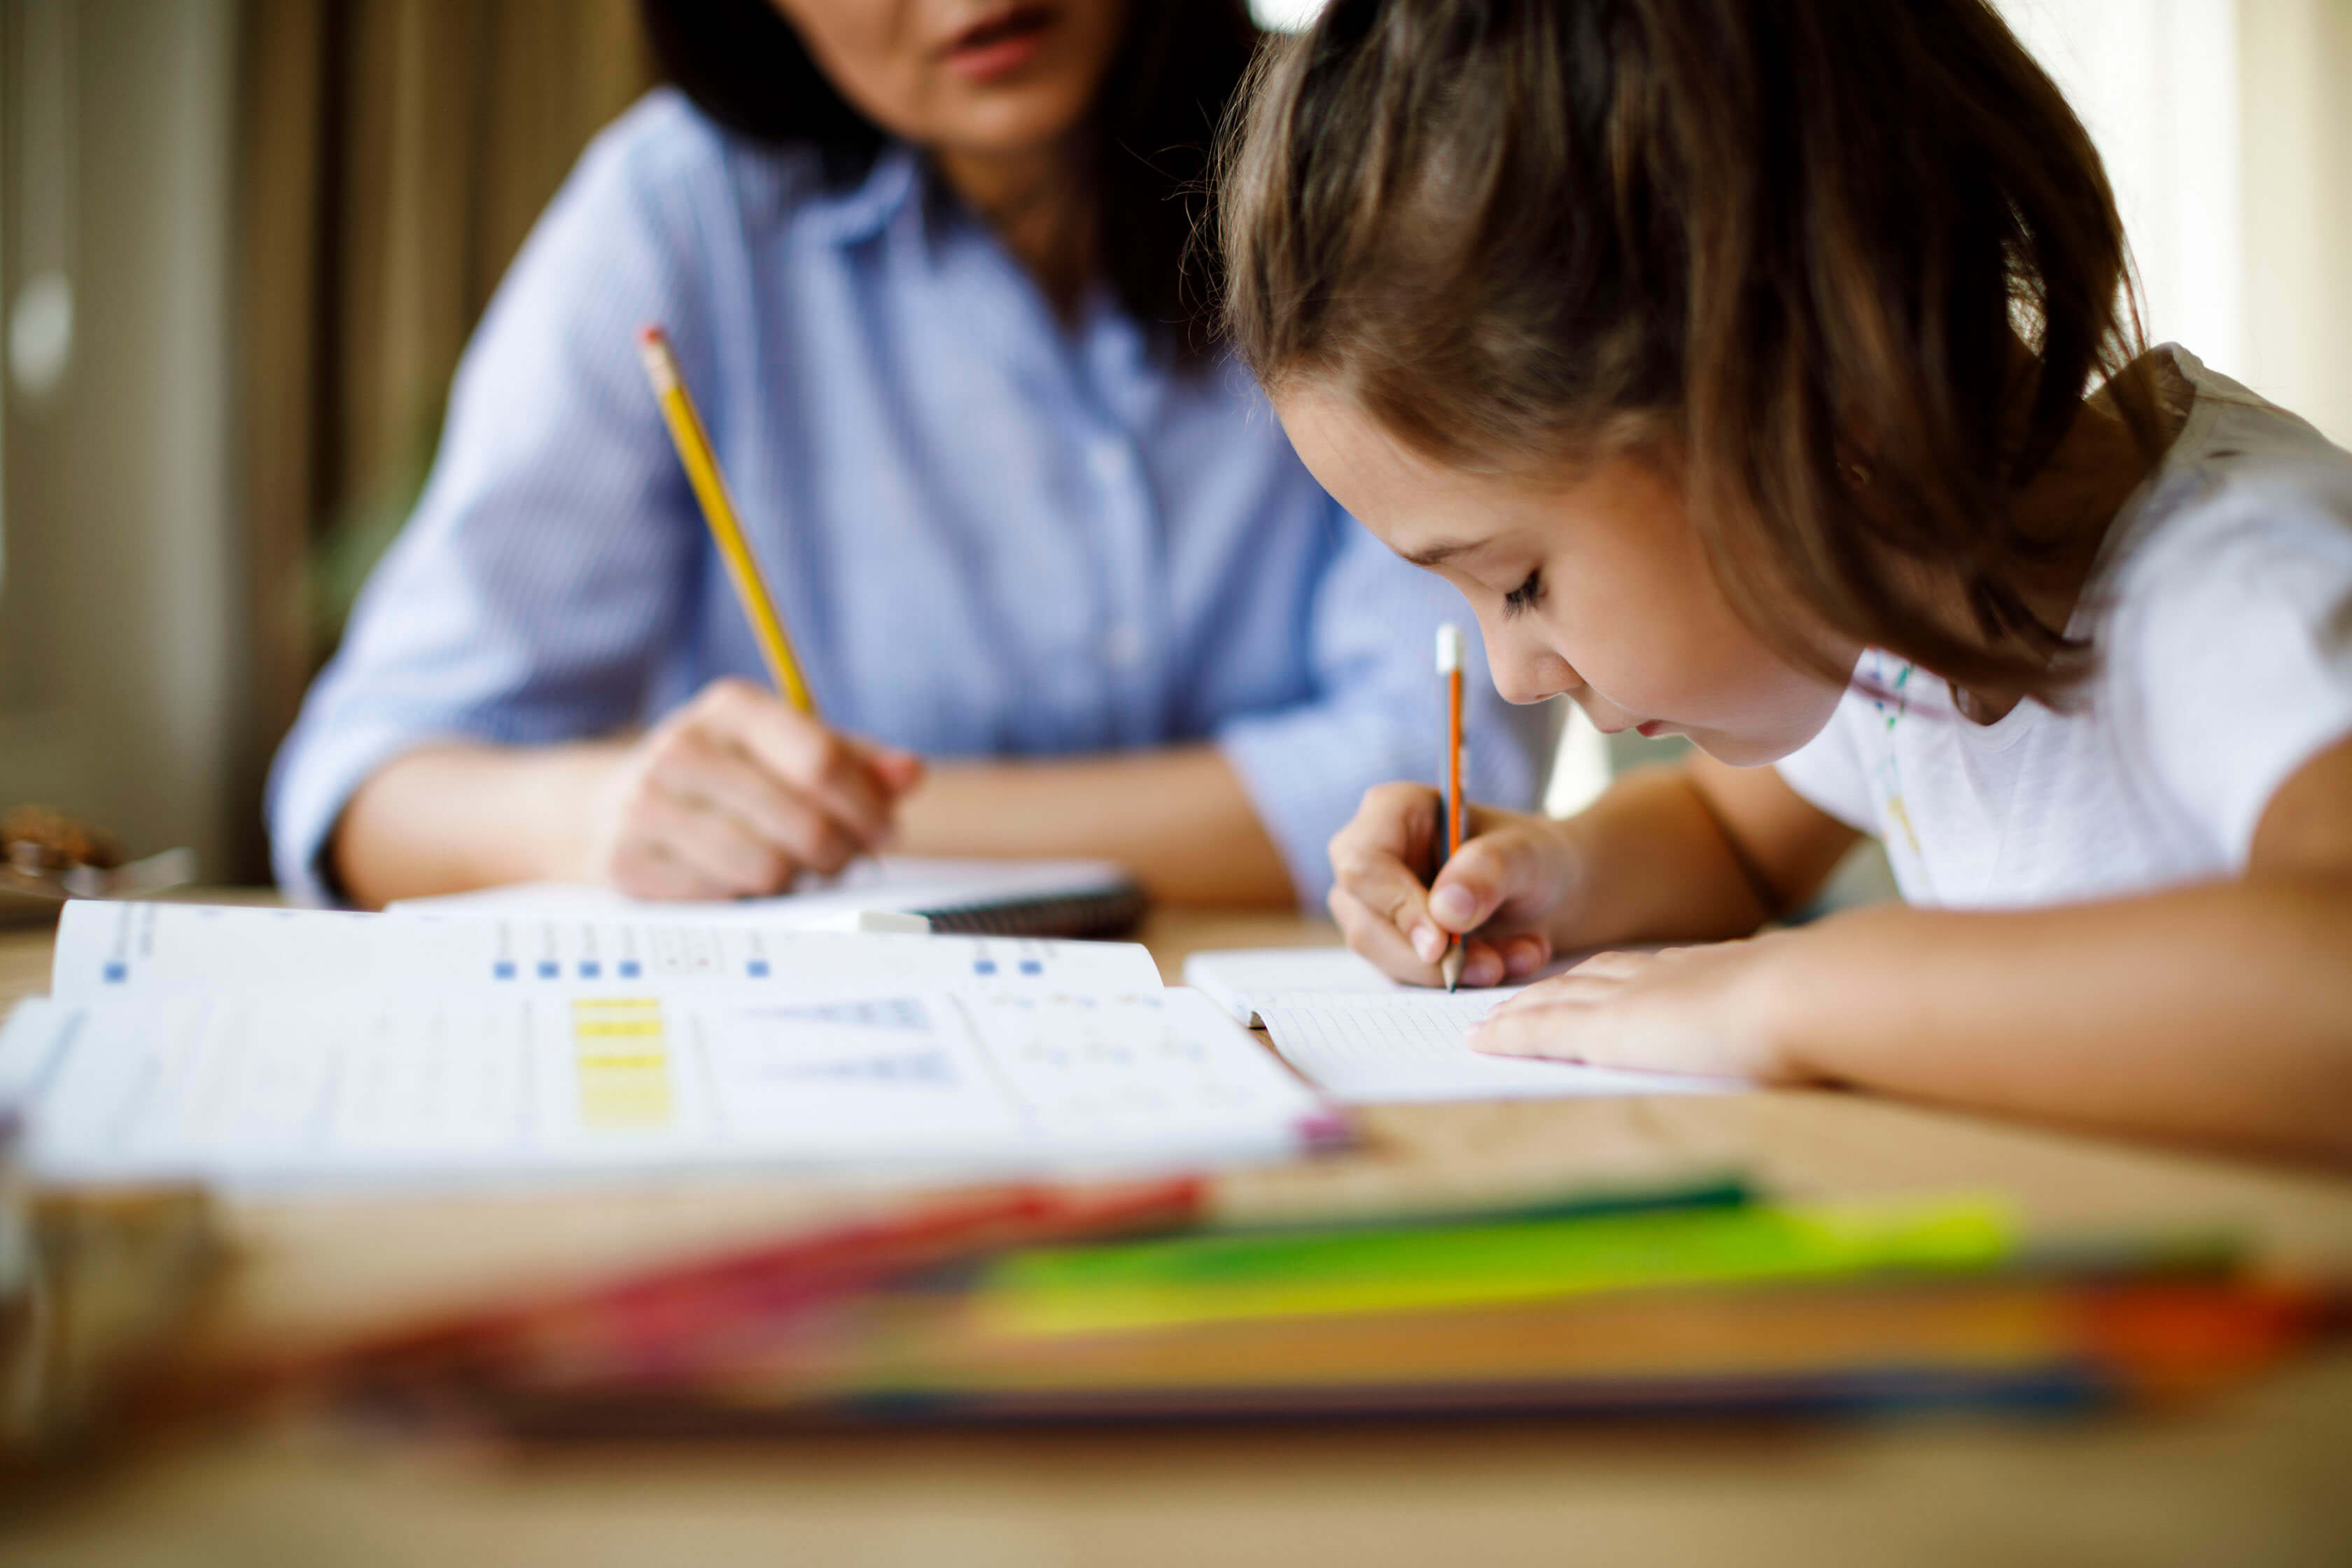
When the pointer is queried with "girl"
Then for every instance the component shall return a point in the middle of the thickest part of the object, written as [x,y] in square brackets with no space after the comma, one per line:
[1763,374]
[924,265]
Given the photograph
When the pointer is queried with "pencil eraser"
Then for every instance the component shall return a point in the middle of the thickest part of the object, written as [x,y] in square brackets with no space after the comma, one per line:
[1449,648]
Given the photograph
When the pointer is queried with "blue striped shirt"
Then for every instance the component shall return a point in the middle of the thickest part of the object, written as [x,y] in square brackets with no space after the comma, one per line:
[991,532]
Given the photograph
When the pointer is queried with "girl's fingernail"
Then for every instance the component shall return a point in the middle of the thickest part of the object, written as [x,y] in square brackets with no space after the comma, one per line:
[1429,943]
[1454,905]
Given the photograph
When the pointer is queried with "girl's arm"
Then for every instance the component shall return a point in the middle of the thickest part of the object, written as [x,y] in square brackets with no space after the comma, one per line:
[1695,852]
[2221,1013]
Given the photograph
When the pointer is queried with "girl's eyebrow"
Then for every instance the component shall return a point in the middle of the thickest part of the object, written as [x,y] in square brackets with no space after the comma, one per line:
[1435,554]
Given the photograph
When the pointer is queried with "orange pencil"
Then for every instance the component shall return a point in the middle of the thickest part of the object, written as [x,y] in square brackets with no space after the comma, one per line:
[1449,665]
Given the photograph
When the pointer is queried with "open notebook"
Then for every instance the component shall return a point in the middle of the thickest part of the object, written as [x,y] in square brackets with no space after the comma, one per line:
[1000,898]
[1365,1039]
[272,1045]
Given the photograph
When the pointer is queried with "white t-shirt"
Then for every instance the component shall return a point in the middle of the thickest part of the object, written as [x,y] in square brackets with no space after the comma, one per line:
[2220,615]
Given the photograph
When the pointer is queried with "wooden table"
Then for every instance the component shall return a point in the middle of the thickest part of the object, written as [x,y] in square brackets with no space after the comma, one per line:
[2259,1477]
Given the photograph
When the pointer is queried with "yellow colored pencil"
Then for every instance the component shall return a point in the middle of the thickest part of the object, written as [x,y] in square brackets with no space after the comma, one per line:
[718,511]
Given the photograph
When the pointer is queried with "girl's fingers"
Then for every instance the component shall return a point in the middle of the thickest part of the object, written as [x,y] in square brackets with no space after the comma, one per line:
[1524,954]
[1378,939]
[1382,886]
[1548,1030]
[1490,869]
[1482,963]
[1616,965]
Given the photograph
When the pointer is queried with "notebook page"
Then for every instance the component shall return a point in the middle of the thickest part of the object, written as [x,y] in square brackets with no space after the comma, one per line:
[108,949]
[1237,978]
[1369,1049]
[465,1086]
[1240,979]
[897,882]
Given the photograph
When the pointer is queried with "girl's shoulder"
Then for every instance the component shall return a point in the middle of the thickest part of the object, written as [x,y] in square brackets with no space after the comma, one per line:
[2250,501]
[2224,631]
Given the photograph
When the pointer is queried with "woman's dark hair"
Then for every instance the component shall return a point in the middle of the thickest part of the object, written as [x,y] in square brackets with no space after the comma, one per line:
[1177,67]
[1852,265]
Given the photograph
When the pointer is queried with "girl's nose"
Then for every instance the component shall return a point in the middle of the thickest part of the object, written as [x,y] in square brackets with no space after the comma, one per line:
[1525,669]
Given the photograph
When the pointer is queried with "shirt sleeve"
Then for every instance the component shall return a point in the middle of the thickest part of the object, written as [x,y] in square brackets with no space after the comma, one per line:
[554,545]
[1378,712]
[2233,652]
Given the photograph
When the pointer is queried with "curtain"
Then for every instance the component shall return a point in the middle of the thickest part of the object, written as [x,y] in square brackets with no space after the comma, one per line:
[393,155]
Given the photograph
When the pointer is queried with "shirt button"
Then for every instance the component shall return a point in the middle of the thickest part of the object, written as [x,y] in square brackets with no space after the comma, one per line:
[1108,460]
[1122,645]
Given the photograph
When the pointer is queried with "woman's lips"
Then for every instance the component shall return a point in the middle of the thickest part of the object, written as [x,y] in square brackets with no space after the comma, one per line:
[1650,729]
[1000,45]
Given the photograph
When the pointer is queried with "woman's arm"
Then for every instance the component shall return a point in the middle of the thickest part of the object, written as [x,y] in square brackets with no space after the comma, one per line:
[2221,1013]
[736,793]
[1177,818]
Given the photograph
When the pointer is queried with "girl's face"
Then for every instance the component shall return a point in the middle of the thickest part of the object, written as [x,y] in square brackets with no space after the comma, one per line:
[1591,584]
[974,76]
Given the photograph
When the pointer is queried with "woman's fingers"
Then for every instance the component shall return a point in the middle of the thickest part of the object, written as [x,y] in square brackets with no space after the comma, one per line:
[727,859]
[737,792]
[702,772]
[834,772]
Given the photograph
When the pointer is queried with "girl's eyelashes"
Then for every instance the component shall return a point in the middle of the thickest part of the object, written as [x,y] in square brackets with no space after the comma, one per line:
[1527,595]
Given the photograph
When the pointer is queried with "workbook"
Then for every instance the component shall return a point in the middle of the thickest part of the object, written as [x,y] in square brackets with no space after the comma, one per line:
[266,1046]
[883,892]
[1364,1038]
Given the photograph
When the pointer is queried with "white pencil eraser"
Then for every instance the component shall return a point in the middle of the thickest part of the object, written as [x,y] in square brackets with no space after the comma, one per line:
[1449,648]
[887,921]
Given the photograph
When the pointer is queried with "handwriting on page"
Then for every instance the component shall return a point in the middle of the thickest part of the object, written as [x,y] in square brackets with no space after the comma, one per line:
[1370,1049]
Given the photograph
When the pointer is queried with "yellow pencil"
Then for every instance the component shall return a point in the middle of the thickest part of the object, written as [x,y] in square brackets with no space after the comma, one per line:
[718,511]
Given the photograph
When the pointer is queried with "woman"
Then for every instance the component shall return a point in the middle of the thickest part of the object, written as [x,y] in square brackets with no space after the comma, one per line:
[1060,584]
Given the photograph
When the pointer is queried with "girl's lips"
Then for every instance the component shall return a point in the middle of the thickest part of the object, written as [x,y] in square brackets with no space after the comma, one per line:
[1649,729]
[1002,44]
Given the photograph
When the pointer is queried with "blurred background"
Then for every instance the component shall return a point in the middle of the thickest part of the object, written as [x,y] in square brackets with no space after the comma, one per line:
[242,243]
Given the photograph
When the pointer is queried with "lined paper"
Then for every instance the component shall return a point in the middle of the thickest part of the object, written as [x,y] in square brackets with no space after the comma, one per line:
[1371,1048]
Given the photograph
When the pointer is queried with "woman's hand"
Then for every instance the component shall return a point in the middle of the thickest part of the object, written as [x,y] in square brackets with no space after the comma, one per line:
[1510,878]
[737,793]
[1700,1010]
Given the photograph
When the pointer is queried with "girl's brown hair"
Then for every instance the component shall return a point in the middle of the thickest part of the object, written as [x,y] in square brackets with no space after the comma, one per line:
[1854,262]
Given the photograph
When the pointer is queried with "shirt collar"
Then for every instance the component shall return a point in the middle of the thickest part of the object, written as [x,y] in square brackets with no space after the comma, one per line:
[853,216]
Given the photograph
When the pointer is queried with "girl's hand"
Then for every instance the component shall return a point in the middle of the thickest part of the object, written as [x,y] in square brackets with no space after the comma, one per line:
[1510,878]
[1700,1010]
[737,793]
